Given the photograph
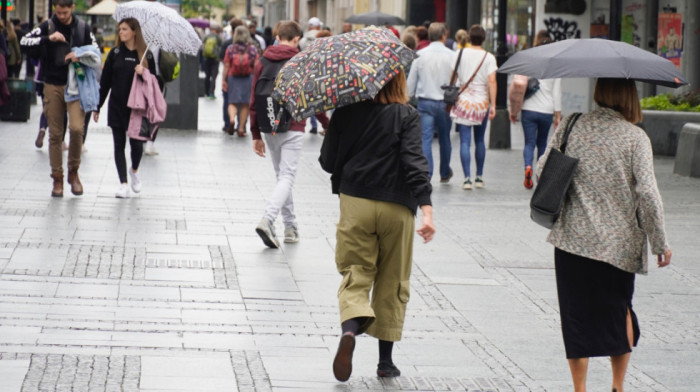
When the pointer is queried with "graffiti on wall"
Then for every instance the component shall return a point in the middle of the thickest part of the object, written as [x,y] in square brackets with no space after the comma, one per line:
[560,29]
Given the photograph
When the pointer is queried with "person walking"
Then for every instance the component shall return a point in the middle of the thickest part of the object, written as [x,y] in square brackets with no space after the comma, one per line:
[124,60]
[536,114]
[52,41]
[284,147]
[235,22]
[14,61]
[373,151]
[430,71]
[612,209]
[239,63]
[314,26]
[211,46]
[476,103]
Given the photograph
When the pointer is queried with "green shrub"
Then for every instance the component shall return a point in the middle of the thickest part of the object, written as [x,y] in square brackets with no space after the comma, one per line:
[687,102]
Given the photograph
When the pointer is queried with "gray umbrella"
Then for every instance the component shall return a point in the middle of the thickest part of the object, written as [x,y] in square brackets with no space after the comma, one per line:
[593,58]
[375,18]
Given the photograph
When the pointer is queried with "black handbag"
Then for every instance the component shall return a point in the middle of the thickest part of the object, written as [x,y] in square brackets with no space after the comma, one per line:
[557,173]
[533,85]
[451,92]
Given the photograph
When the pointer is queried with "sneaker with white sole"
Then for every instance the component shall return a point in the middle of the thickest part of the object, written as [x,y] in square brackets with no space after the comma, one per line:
[123,192]
[467,186]
[291,235]
[479,182]
[266,231]
[150,149]
[135,182]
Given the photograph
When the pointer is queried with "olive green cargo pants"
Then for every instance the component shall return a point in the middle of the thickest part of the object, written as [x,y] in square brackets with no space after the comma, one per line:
[374,252]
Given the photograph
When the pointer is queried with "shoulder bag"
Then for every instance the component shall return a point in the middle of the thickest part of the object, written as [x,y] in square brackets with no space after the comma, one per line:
[547,200]
[451,91]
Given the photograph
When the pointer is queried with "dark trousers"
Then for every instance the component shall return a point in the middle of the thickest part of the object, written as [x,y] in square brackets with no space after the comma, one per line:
[119,137]
[211,71]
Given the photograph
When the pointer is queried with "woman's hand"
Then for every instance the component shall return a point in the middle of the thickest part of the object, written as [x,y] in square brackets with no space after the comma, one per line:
[259,147]
[427,229]
[139,69]
[492,112]
[664,259]
[95,116]
[224,85]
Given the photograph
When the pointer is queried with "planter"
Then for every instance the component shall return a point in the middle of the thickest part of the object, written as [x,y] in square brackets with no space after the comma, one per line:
[664,129]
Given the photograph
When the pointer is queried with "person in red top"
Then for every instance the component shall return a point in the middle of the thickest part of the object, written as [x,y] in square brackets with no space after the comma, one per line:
[422,35]
[284,147]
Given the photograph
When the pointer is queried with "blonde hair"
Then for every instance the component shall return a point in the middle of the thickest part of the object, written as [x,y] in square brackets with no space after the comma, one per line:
[462,37]
[11,33]
[619,95]
[138,38]
[394,91]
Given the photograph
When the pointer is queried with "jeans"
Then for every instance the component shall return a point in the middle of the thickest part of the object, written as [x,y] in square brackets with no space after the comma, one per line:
[433,115]
[536,127]
[465,140]
[285,151]
[314,122]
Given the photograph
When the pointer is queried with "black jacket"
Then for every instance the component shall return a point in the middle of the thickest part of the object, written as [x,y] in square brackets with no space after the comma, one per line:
[54,70]
[375,152]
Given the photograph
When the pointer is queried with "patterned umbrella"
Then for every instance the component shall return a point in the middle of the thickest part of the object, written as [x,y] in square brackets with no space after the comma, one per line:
[340,70]
[161,26]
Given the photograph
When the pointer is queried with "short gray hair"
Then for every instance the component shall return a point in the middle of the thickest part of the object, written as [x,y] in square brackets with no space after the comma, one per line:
[436,31]
[241,35]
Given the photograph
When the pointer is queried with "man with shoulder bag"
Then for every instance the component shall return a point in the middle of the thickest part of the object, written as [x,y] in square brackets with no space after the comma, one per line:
[431,70]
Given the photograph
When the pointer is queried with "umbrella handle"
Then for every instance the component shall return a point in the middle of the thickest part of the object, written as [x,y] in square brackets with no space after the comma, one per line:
[144,54]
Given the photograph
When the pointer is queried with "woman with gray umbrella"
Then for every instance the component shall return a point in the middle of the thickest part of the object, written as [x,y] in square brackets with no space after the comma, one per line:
[612,209]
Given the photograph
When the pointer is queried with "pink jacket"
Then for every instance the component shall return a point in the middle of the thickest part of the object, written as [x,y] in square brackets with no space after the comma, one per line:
[146,101]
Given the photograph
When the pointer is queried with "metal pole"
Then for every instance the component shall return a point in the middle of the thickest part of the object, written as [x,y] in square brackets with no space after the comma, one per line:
[615,20]
[499,135]
[3,10]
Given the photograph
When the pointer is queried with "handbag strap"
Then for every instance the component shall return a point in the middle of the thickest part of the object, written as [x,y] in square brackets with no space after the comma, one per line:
[474,74]
[569,127]
[454,72]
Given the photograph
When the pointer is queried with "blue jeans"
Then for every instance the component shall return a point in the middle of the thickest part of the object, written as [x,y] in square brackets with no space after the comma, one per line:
[433,115]
[465,141]
[536,127]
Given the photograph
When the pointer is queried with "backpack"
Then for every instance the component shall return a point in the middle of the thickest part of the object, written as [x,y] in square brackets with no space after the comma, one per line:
[272,117]
[168,66]
[211,47]
[241,64]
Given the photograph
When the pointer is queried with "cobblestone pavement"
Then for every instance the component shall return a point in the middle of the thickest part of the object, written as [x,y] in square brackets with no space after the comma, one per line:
[173,290]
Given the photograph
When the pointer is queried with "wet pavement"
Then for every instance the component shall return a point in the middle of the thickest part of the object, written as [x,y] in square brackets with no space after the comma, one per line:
[173,290]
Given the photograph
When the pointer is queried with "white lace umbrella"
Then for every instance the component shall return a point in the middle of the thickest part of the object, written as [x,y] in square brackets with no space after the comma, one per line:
[161,26]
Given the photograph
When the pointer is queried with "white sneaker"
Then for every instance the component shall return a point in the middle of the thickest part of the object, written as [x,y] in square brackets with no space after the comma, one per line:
[135,182]
[467,184]
[150,149]
[123,192]
[291,235]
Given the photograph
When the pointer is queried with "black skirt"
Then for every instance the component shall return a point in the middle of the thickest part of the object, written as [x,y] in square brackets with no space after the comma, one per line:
[593,301]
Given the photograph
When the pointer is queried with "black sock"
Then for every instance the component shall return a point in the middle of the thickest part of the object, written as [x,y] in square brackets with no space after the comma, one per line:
[385,349]
[352,325]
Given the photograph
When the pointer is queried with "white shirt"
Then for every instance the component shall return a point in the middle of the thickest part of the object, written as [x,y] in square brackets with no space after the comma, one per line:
[430,70]
[547,99]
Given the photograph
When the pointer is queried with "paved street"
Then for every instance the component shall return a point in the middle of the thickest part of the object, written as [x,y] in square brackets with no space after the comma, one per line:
[172,290]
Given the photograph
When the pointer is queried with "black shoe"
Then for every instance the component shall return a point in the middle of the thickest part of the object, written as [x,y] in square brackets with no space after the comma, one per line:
[342,364]
[445,180]
[314,130]
[385,369]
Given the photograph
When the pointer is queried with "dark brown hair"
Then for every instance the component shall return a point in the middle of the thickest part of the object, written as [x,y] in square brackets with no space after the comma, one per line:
[421,33]
[477,35]
[619,95]
[410,41]
[394,91]
[289,30]
[323,34]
